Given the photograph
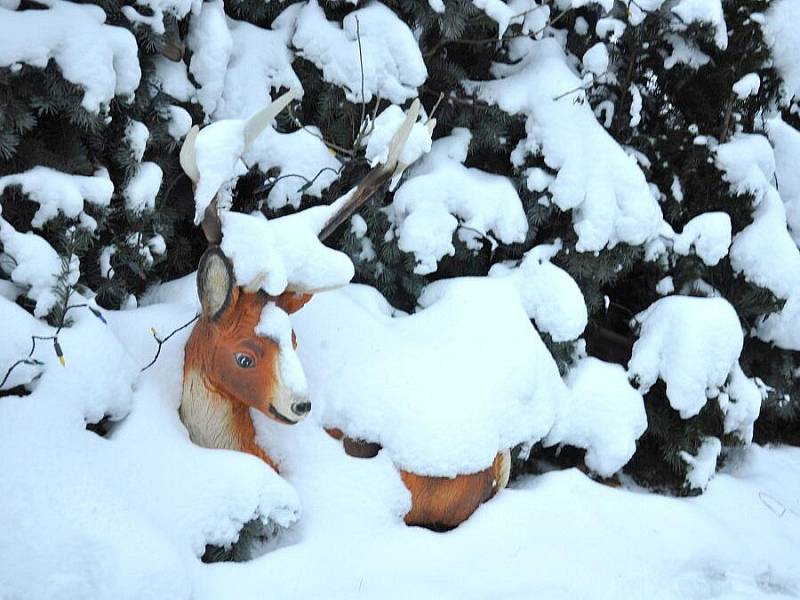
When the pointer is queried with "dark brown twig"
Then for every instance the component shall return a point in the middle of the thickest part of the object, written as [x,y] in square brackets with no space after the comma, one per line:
[726,122]
[308,182]
[162,341]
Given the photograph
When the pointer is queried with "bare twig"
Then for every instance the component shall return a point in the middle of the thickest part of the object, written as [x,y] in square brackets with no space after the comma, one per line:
[583,87]
[435,106]
[330,145]
[361,65]
[481,234]
[529,11]
[726,122]
[161,341]
[375,110]
[308,182]
[364,127]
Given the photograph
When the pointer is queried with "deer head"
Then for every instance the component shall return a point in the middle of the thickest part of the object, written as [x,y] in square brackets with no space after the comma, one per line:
[235,363]
[228,367]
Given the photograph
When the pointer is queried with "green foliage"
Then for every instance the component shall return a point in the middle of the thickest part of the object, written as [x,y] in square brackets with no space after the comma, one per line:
[43,123]
[680,104]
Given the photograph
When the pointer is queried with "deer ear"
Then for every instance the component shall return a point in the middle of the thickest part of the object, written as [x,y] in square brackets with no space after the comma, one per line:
[291,302]
[215,282]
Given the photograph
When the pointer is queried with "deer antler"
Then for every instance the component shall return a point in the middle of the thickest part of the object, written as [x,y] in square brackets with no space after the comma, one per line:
[377,176]
[187,155]
[345,206]
[211,224]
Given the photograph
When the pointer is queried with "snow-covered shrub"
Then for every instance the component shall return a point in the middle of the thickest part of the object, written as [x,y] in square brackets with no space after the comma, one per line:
[693,346]
[599,160]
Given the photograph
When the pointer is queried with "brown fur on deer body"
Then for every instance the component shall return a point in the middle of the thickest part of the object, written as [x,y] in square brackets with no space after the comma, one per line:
[439,503]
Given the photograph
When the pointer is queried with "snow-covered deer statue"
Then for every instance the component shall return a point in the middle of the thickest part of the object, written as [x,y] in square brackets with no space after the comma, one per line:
[230,369]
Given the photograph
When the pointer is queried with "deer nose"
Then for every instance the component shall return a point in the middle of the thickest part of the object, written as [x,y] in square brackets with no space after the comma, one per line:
[301,408]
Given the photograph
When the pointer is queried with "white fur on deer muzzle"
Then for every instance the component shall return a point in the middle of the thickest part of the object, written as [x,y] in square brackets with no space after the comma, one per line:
[288,406]
[290,401]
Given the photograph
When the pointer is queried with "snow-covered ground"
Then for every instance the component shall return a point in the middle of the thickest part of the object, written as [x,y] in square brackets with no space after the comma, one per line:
[128,516]
[559,535]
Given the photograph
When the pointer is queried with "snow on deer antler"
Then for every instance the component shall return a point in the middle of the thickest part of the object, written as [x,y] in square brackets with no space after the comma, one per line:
[285,253]
[211,157]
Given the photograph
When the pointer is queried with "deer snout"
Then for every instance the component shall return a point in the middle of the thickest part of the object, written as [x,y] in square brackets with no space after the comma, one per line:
[301,409]
[288,406]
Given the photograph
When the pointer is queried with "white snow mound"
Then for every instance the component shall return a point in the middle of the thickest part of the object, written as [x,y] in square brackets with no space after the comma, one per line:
[56,192]
[606,190]
[272,255]
[35,266]
[763,252]
[780,28]
[708,235]
[127,516]
[442,390]
[549,294]
[393,67]
[692,344]
[602,414]
[704,11]
[385,126]
[102,59]
[442,197]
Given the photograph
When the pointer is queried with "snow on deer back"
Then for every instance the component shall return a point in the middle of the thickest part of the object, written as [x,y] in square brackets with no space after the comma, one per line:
[443,391]
[241,353]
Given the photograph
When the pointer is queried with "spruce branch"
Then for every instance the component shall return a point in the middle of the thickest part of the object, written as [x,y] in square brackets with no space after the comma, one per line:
[495,40]
[64,290]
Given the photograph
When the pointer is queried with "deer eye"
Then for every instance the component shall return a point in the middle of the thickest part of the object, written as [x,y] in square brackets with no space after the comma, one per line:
[243,360]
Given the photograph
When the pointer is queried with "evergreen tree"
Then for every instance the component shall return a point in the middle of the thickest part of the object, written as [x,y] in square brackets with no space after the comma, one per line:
[676,99]
[668,86]
[129,142]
